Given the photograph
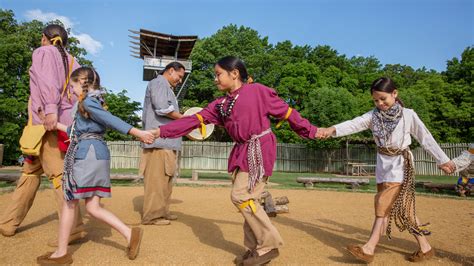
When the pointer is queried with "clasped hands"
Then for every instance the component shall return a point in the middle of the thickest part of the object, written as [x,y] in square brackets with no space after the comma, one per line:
[148,136]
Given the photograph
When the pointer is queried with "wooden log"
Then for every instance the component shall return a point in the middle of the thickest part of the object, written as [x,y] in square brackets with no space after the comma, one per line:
[281,200]
[282,209]
[349,181]
[436,187]
[9,177]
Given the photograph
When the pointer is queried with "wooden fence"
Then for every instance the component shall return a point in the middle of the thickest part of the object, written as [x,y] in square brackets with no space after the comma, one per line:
[290,157]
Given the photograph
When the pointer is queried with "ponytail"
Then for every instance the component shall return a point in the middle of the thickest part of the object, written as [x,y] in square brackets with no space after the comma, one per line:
[57,35]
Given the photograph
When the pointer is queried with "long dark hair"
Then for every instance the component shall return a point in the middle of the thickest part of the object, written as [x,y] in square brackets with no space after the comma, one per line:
[384,84]
[57,35]
[230,63]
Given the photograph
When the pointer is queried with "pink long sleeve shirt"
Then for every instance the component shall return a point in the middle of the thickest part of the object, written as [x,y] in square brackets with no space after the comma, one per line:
[47,78]
[249,116]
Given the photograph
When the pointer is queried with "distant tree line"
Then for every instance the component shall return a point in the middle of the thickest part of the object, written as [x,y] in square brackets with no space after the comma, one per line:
[325,86]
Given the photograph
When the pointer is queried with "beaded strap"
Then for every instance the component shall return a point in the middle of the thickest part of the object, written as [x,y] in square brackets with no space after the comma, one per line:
[404,207]
[255,159]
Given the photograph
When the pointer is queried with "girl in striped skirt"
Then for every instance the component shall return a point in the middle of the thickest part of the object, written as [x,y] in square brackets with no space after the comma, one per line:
[87,164]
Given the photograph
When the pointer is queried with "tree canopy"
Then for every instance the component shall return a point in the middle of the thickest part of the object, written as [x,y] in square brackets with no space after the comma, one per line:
[328,88]
[325,86]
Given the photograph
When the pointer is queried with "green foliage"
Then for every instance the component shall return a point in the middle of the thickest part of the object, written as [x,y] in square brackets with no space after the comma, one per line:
[325,86]
[121,106]
[328,88]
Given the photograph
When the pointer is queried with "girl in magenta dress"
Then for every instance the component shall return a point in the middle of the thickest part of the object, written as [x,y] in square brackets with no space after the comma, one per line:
[245,113]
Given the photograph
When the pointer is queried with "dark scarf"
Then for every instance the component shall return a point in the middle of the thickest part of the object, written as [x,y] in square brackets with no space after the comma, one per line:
[384,122]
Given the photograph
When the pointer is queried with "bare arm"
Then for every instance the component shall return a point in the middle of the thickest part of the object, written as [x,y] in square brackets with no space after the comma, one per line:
[174,115]
[61,127]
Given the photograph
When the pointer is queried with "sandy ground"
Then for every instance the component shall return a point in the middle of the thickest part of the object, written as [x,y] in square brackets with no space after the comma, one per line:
[209,230]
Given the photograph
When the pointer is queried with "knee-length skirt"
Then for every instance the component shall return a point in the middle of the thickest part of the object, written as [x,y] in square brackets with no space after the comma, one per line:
[92,176]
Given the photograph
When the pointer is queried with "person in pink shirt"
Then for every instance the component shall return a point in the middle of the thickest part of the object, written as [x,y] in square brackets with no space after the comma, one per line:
[50,102]
[245,113]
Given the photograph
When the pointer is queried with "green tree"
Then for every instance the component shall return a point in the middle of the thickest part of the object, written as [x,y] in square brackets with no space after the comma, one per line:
[121,106]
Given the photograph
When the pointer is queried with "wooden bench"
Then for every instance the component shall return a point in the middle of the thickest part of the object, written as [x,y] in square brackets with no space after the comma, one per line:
[195,173]
[353,182]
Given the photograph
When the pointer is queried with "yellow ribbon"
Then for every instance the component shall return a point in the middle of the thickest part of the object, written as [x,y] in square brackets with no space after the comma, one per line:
[71,64]
[202,127]
[288,113]
[57,181]
[56,39]
[249,203]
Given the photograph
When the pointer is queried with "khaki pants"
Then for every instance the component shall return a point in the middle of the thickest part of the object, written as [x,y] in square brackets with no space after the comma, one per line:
[50,161]
[157,167]
[259,233]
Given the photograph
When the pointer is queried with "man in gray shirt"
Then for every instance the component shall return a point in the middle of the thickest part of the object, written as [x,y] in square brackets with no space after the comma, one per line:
[158,160]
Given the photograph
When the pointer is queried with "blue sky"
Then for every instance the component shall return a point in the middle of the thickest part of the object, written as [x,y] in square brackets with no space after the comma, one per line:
[411,32]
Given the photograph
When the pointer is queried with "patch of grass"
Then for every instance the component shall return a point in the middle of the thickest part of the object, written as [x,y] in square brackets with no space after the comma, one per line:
[133,171]
[284,179]
[6,184]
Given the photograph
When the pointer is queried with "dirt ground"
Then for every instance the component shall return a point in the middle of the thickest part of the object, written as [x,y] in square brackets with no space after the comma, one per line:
[209,230]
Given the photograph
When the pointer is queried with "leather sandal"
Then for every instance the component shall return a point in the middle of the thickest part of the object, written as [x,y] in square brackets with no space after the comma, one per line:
[359,253]
[240,258]
[419,256]
[46,259]
[135,241]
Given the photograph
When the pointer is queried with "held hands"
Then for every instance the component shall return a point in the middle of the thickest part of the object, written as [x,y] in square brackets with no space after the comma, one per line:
[145,136]
[448,167]
[324,133]
[50,121]
[155,132]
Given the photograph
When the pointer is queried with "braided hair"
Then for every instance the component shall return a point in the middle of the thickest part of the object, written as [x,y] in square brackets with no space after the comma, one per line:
[57,35]
[89,80]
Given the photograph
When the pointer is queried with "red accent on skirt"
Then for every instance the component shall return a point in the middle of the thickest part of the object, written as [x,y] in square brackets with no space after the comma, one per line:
[89,189]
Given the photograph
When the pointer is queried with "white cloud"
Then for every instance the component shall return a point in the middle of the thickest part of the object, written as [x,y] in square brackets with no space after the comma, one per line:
[91,45]
[112,43]
[87,42]
[47,17]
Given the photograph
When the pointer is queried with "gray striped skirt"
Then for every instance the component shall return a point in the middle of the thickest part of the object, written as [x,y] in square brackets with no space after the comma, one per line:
[92,176]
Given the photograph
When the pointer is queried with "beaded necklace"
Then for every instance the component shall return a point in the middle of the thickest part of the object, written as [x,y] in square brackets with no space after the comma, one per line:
[220,106]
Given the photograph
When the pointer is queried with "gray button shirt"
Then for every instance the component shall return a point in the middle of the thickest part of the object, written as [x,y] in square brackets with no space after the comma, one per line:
[159,100]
